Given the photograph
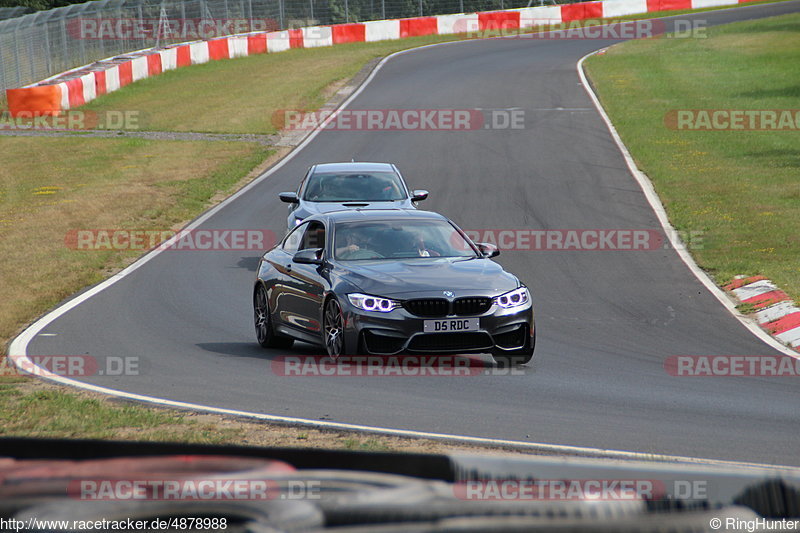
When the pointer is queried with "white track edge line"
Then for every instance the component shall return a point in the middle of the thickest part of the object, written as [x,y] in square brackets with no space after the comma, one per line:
[581,451]
[655,203]
[18,347]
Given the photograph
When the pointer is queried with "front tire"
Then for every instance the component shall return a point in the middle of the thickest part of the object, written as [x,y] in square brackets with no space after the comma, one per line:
[333,329]
[263,321]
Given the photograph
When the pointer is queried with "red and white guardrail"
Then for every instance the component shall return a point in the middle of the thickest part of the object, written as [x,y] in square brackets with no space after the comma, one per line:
[79,86]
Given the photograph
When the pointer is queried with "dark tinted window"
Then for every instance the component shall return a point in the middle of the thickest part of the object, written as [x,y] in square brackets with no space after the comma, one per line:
[354,187]
[401,239]
[314,236]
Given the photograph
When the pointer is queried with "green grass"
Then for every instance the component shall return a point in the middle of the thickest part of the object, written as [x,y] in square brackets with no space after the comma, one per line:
[369,444]
[52,413]
[740,188]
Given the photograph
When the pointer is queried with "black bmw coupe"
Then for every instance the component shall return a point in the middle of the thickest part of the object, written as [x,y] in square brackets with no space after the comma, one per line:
[386,282]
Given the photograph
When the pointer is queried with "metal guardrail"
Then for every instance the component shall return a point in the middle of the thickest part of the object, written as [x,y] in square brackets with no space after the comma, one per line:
[40,45]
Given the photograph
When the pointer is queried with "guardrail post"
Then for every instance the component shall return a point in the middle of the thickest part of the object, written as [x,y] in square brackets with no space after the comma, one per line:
[48,64]
[66,50]
[3,85]
[16,58]
[141,24]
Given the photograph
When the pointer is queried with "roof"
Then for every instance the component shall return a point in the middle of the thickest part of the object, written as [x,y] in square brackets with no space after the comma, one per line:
[354,166]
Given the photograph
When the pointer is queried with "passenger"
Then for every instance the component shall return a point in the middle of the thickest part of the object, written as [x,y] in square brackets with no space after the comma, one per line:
[353,241]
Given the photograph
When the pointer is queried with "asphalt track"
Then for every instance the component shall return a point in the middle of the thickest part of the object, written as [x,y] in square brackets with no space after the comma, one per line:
[607,320]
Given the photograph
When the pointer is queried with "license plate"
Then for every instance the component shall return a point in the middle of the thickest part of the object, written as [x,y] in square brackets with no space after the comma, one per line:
[447,325]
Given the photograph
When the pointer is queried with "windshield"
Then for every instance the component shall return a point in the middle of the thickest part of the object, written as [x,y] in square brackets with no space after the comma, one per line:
[354,187]
[402,239]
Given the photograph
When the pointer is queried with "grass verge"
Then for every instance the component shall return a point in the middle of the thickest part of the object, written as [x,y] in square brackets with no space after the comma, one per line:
[741,189]
[34,408]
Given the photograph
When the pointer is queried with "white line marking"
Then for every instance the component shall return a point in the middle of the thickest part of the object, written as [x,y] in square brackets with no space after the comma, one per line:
[661,214]
[19,345]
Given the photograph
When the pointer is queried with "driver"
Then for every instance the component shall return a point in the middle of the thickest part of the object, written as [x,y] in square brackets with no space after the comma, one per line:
[421,248]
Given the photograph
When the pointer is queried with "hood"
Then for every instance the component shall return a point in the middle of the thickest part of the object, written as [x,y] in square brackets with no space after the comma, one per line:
[428,277]
[327,207]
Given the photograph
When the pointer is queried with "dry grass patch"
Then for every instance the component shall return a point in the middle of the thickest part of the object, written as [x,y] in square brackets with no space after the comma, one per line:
[95,184]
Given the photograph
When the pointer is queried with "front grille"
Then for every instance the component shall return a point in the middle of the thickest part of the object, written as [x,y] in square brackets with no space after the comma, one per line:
[512,339]
[451,342]
[475,305]
[428,307]
[439,307]
[382,344]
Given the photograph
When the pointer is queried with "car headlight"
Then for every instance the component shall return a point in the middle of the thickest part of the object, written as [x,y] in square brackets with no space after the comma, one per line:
[515,298]
[372,303]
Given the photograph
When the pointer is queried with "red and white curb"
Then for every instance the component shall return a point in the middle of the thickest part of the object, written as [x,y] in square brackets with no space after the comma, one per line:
[776,313]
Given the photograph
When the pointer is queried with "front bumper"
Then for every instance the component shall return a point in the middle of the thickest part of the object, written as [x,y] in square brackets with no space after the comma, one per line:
[399,331]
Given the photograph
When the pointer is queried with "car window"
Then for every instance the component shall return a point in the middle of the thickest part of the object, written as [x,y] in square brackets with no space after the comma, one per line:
[354,187]
[399,239]
[292,241]
[314,236]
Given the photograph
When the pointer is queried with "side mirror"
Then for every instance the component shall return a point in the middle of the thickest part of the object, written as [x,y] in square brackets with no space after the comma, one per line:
[289,197]
[418,195]
[488,250]
[309,256]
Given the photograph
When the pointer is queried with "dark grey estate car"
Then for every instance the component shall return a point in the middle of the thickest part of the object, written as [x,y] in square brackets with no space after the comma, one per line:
[388,282]
[330,187]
